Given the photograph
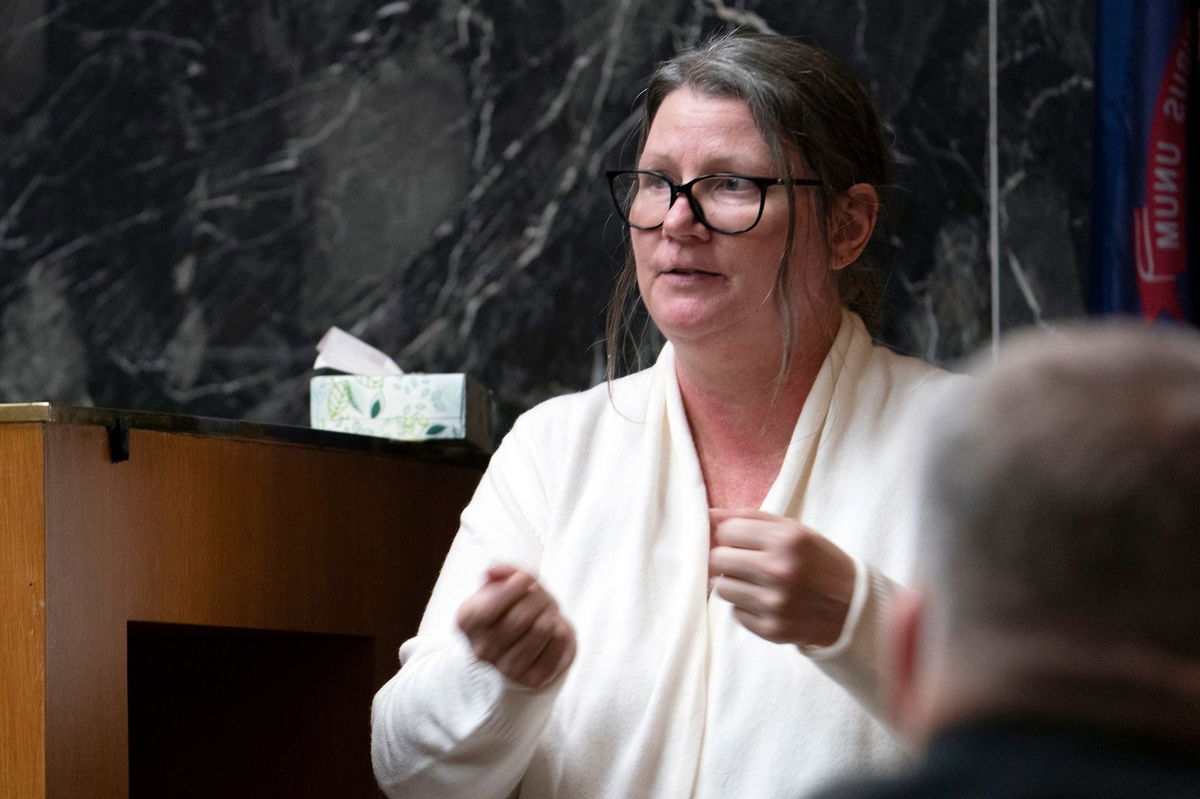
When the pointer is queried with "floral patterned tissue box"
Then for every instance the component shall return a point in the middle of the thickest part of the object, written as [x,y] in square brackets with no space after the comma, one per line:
[410,407]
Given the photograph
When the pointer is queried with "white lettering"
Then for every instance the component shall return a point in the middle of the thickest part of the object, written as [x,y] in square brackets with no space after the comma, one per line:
[1175,109]
[1171,157]
[1165,179]
[1166,205]
[1175,101]
[1166,201]
[1166,235]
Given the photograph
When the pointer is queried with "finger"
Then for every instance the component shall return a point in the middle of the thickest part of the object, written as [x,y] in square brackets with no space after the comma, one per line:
[491,601]
[554,659]
[499,572]
[482,609]
[717,515]
[751,565]
[552,662]
[491,643]
[777,616]
[738,531]
[767,627]
[525,651]
[748,597]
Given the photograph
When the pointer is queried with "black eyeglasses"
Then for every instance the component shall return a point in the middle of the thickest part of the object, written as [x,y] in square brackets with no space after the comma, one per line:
[723,202]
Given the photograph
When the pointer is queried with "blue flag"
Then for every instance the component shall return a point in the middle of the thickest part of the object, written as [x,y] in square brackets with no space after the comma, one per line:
[1145,69]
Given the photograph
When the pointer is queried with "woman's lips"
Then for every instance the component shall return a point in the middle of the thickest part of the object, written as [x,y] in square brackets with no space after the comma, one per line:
[686,276]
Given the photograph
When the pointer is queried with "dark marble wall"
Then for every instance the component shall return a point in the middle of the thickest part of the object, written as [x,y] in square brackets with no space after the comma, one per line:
[191,192]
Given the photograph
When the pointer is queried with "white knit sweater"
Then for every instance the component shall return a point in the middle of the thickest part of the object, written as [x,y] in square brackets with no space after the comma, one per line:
[668,696]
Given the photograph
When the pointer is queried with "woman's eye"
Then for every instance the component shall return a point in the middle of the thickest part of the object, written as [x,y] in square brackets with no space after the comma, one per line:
[647,182]
[734,185]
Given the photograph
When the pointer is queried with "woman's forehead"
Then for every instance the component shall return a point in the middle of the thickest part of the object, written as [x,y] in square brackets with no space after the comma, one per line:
[701,126]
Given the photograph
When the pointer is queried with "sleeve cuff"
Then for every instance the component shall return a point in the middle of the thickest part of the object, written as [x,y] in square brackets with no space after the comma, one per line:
[858,601]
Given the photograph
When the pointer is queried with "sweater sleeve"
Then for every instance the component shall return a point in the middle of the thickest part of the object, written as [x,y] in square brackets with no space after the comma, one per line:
[854,660]
[448,725]
[883,424]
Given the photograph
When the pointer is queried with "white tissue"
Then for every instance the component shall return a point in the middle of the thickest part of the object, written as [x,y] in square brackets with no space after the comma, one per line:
[339,350]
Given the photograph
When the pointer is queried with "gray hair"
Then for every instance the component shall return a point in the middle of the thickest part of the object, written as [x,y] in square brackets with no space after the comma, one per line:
[804,103]
[1063,490]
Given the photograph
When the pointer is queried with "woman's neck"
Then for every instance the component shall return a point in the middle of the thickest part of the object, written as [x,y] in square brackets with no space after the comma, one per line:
[742,415]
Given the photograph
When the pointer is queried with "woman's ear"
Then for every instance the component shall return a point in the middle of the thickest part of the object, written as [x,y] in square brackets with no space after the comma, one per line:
[854,213]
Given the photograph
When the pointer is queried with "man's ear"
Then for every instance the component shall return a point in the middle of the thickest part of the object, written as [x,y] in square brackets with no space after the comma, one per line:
[906,705]
[854,213]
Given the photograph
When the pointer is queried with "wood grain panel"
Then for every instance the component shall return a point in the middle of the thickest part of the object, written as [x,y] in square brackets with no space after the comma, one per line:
[22,613]
[229,533]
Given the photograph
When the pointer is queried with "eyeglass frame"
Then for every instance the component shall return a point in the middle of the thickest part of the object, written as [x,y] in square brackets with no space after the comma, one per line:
[686,190]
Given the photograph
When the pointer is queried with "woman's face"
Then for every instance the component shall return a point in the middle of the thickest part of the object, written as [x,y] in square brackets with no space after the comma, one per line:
[697,284]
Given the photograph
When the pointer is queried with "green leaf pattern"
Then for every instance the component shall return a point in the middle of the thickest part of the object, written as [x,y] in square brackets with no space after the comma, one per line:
[410,408]
[340,400]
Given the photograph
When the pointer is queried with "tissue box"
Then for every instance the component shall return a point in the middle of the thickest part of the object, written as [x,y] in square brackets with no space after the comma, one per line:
[410,407]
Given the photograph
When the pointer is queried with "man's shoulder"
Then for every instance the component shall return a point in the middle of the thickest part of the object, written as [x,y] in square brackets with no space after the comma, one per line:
[1025,759]
[898,787]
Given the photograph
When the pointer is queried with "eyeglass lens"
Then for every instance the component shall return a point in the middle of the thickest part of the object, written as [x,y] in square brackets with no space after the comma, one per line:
[729,204]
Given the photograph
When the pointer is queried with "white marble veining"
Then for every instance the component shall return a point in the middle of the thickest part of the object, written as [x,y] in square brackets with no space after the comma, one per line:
[190,196]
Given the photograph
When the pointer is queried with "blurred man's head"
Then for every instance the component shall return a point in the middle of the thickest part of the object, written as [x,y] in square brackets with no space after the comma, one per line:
[1061,549]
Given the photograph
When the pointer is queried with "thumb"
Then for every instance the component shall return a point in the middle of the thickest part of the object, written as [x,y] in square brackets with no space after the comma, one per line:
[499,572]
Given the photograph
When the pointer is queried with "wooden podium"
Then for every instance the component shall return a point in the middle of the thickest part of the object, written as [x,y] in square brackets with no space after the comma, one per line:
[192,607]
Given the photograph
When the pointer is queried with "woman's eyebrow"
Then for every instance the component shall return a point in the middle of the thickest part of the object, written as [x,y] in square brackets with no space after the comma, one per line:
[729,164]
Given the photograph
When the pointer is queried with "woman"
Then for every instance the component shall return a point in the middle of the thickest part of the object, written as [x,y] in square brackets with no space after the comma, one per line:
[639,602]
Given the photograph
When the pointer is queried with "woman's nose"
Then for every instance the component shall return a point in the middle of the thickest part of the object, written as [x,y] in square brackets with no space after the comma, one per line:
[681,218]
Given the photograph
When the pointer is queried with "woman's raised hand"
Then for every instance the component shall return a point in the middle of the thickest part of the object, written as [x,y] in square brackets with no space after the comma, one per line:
[786,582]
[513,623]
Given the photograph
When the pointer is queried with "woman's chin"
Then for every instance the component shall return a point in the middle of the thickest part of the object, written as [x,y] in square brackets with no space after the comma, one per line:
[691,325]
